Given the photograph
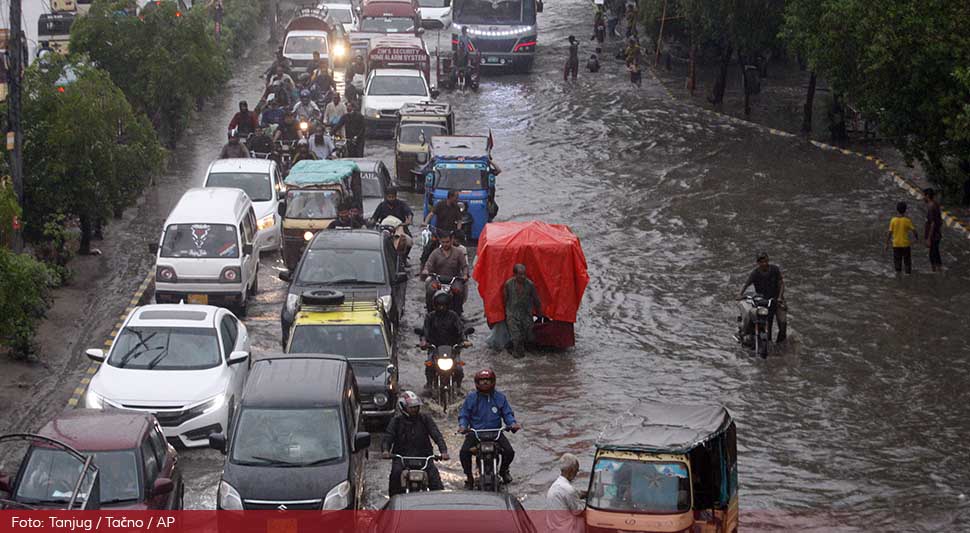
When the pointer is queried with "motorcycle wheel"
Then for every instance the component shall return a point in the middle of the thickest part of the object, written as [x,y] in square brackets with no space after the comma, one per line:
[444,395]
[488,479]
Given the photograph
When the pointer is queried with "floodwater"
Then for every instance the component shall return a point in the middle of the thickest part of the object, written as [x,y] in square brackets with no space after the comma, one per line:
[860,424]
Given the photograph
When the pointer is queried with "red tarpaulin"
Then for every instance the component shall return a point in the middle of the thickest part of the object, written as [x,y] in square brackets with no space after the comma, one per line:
[553,259]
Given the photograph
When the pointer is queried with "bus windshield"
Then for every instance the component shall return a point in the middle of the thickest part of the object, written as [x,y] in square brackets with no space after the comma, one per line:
[495,12]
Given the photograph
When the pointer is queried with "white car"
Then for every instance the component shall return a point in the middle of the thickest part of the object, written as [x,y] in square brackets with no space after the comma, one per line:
[186,364]
[435,14]
[262,181]
[386,90]
[345,14]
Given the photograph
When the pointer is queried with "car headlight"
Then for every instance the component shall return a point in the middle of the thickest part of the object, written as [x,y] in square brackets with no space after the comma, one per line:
[307,236]
[445,363]
[338,498]
[386,301]
[213,404]
[266,222]
[370,112]
[292,300]
[762,311]
[380,399]
[339,50]
[93,400]
[228,497]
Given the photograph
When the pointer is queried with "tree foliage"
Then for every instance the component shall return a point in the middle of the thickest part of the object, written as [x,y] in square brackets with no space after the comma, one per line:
[24,299]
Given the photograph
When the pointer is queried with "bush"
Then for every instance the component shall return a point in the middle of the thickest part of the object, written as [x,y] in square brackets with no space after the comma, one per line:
[24,299]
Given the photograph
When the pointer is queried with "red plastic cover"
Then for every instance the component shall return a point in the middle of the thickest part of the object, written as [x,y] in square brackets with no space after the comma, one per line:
[553,259]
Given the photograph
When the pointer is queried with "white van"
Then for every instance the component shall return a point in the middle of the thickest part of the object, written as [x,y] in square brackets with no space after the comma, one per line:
[262,181]
[206,253]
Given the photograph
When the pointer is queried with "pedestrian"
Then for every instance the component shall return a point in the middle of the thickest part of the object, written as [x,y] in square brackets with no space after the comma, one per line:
[572,62]
[521,299]
[631,19]
[633,57]
[593,65]
[565,503]
[933,231]
[616,8]
[900,228]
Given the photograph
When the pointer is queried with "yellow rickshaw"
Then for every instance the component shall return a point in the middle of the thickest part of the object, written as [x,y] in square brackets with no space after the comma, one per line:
[665,468]
[314,191]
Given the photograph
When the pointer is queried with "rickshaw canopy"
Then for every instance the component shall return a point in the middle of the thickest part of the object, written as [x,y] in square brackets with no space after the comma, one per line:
[308,173]
[553,258]
[657,427]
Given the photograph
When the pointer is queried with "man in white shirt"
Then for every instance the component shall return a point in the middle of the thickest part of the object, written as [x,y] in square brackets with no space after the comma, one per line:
[335,109]
[563,501]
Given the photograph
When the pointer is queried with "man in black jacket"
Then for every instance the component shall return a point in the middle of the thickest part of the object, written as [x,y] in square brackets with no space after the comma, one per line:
[409,434]
[355,126]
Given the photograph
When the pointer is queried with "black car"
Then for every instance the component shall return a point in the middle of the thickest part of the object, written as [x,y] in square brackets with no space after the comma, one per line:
[362,264]
[296,442]
[504,513]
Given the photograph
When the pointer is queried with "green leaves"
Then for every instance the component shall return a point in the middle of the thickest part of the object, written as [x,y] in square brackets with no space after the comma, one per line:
[24,299]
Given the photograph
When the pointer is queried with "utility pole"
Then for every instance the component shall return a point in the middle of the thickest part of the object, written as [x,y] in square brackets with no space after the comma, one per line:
[660,37]
[15,55]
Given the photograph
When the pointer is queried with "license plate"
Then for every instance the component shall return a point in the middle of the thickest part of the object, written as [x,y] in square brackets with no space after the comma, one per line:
[493,60]
[199,299]
[281,526]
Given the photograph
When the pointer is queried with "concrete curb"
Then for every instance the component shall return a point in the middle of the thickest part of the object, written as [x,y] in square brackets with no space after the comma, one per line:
[141,297]
[903,182]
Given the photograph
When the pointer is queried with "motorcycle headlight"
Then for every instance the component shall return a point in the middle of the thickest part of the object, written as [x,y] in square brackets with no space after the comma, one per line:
[266,222]
[93,400]
[370,112]
[763,311]
[381,399]
[338,498]
[304,125]
[228,497]
[339,50]
[307,236]
[445,363]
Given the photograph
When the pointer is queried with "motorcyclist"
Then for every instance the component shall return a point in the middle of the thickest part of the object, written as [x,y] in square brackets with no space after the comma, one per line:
[769,282]
[306,109]
[355,127]
[343,220]
[289,130]
[320,80]
[280,62]
[409,434]
[464,47]
[245,121]
[303,152]
[334,111]
[321,142]
[262,141]
[282,85]
[272,113]
[486,408]
[234,148]
[447,261]
[392,206]
[401,239]
[442,327]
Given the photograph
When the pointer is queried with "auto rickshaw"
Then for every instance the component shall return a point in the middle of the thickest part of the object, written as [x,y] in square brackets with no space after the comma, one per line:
[665,468]
[314,190]
[463,163]
[412,139]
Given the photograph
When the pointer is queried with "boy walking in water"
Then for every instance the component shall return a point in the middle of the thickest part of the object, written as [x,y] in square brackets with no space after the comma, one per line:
[900,229]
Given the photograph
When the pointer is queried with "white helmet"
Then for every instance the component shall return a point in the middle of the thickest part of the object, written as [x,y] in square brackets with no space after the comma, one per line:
[408,399]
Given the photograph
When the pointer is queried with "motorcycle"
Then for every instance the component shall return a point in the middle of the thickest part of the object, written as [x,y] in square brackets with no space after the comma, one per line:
[487,458]
[285,149]
[447,363]
[441,283]
[414,478]
[753,325]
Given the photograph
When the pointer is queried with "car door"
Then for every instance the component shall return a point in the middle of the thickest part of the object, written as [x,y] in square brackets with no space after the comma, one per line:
[168,460]
[352,410]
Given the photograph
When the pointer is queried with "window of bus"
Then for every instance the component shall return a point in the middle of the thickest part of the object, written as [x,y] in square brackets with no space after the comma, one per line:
[500,12]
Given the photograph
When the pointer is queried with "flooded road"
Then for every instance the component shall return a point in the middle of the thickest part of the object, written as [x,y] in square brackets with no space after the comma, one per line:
[859,425]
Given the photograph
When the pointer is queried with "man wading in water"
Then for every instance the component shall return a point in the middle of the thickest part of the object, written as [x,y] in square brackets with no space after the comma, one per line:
[520,300]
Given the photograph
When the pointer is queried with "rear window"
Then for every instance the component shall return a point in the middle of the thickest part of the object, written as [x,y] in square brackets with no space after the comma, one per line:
[305,45]
[342,16]
[200,241]
[256,185]
[387,25]
[460,178]
[397,86]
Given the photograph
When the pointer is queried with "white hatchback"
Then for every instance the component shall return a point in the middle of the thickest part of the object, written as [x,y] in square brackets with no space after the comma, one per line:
[263,183]
[186,364]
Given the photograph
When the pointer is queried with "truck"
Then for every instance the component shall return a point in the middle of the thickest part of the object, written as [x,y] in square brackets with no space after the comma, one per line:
[311,29]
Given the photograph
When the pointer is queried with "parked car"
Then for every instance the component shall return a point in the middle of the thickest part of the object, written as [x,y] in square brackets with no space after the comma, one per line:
[296,442]
[186,364]
[262,181]
[505,513]
[138,469]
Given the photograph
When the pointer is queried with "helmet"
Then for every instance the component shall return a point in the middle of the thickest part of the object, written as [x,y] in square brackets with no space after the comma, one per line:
[408,399]
[485,380]
[304,94]
[442,297]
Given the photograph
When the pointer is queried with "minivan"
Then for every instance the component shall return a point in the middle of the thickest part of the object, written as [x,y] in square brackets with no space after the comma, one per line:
[296,441]
[206,253]
[262,181]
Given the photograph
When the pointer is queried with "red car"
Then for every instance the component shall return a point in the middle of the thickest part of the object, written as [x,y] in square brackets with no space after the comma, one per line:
[138,469]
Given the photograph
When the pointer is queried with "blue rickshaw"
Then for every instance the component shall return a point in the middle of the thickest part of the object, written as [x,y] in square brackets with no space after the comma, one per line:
[462,163]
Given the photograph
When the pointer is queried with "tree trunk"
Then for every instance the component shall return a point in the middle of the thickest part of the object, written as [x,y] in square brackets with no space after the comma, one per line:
[86,230]
[744,84]
[809,105]
[837,119]
[721,82]
[692,69]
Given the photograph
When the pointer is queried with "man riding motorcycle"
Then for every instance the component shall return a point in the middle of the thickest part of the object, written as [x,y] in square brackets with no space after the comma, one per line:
[280,62]
[355,127]
[442,327]
[409,434]
[769,283]
[245,121]
[234,148]
[289,130]
[483,409]
[272,113]
[392,206]
[306,109]
[303,152]
[448,261]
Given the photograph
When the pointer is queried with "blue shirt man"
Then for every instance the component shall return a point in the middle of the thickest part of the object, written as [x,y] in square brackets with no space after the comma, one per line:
[486,408]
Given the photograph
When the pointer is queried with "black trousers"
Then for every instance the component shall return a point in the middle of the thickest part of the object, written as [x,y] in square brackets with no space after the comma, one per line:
[901,257]
[505,450]
[397,467]
[355,148]
[935,257]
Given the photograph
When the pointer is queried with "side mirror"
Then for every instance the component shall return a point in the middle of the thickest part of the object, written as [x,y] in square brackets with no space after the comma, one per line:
[419,331]
[153,248]
[238,357]
[469,331]
[435,93]
[281,208]
[95,354]
[217,441]
[5,484]
[162,485]
[361,441]
[285,275]
[247,249]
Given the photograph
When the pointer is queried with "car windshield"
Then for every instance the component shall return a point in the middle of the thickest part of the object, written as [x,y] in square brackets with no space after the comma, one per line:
[50,476]
[495,11]
[631,486]
[255,185]
[387,25]
[460,178]
[200,241]
[370,369]
[370,185]
[411,133]
[141,348]
[358,341]
[287,437]
[305,44]
[397,86]
[311,203]
[434,3]
[342,16]
[326,266]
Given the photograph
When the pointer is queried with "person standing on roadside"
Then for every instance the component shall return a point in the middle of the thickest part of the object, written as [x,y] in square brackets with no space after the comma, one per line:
[565,503]
[900,228]
[572,62]
[934,229]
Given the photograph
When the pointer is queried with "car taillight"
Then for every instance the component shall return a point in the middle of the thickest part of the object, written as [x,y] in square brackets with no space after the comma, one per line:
[165,274]
[230,275]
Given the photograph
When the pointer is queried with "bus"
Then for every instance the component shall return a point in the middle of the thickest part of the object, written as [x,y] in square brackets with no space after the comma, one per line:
[503,31]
